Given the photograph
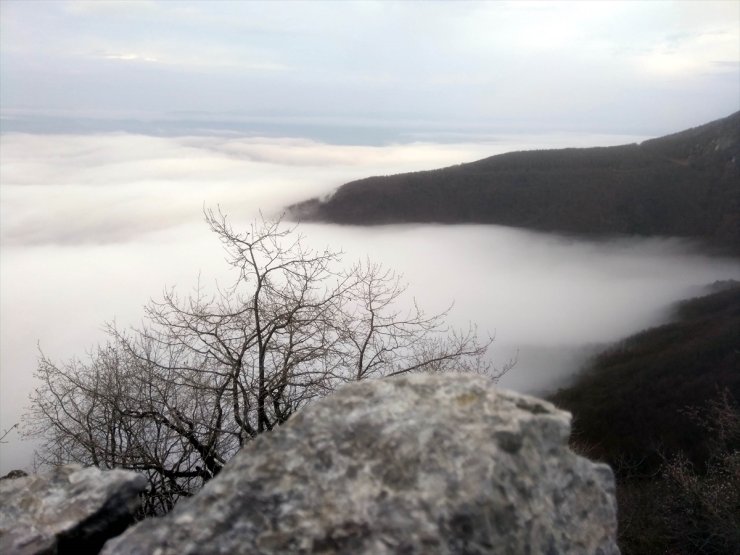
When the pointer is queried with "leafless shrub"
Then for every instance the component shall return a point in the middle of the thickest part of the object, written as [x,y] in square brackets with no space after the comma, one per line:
[208,372]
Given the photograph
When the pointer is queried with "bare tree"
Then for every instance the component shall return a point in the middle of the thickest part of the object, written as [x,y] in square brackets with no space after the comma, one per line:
[208,372]
[6,433]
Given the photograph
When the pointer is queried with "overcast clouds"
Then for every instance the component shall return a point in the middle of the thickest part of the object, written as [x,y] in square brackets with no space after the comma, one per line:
[633,67]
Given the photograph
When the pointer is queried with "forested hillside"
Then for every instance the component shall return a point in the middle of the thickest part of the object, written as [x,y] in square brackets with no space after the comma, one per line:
[628,404]
[662,409]
[685,185]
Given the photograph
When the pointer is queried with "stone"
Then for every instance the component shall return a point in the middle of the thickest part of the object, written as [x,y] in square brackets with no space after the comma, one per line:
[69,510]
[420,464]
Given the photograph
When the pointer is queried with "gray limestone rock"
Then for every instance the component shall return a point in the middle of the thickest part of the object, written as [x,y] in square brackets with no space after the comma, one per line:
[414,465]
[69,510]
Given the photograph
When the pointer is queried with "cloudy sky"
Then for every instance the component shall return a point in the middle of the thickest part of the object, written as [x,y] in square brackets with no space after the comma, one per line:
[397,70]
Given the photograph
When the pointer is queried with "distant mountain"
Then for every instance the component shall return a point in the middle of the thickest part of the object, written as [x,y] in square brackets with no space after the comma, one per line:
[686,185]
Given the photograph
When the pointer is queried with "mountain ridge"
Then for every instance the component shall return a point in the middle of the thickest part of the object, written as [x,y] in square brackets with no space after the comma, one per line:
[686,184]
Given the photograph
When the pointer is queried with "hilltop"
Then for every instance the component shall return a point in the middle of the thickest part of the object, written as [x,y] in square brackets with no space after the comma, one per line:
[686,185]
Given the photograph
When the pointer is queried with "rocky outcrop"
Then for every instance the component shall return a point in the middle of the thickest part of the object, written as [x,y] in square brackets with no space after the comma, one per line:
[419,464]
[70,510]
[13,474]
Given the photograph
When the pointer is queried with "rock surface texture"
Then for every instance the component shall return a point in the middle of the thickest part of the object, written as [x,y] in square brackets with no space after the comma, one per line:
[70,510]
[415,465]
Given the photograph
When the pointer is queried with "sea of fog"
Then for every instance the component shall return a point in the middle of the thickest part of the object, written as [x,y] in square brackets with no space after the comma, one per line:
[92,226]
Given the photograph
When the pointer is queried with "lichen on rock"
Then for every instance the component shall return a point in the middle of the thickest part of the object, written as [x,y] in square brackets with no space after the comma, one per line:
[418,464]
[69,510]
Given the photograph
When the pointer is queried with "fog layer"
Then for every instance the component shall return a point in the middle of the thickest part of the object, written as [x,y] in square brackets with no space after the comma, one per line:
[93,226]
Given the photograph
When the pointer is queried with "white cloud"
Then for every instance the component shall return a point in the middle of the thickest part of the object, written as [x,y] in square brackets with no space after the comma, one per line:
[103,188]
[452,61]
[129,57]
[116,187]
[94,225]
[115,8]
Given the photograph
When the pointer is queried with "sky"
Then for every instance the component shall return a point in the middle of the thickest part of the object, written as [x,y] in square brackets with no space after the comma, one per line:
[368,72]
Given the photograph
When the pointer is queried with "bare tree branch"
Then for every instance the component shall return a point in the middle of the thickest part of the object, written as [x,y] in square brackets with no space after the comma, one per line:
[208,372]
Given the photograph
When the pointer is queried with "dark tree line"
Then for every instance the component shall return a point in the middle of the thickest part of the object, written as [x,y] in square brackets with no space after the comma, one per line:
[683,185]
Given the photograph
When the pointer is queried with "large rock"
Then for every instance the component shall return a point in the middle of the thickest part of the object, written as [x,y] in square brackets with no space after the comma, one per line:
[420,464]
[70,510]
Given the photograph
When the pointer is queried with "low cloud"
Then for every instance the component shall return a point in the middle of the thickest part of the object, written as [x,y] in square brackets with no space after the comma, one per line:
[129,57]
[70,189]
[95,225]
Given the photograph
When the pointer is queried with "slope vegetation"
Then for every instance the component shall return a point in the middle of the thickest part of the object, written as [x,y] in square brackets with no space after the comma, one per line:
[629,405]
[686,185]
[662,409]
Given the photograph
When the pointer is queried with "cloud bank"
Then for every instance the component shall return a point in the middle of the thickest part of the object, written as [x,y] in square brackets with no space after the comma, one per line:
[69,189]
[93,226]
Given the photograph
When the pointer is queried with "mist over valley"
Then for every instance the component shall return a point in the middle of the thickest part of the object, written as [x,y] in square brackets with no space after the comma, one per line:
[95,225]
